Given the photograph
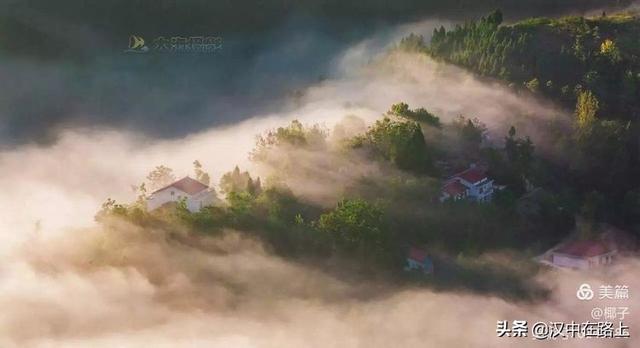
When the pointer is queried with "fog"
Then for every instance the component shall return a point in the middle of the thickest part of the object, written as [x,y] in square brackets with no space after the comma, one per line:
[117,285]
[87,165]
[66,281]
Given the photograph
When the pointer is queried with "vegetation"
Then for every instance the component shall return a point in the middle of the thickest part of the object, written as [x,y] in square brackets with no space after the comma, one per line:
[161,176]
[419,115]
[379,216]
[236,181]
[401,142]
[201,175]
[590,65]
[558,58]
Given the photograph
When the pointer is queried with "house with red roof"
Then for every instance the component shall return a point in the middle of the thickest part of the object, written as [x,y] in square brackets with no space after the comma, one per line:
[196,195]
[418,259]
[582,254]
[472,183]
[611,244]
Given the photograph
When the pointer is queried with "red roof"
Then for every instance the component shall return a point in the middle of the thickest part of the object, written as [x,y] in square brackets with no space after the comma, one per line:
[472,175]
[454,188]
[584,248]
[418,255]
[187,185]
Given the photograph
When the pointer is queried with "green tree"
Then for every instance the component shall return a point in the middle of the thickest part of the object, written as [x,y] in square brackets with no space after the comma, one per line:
[294,135]
[533,85]
[412,43]
[592,210]
[201,175]
[401,142]
[241,205]
[471,133]
[519,153]
[356,225]
[419,115]
[141,199]
[237,181]
[609,49]
[495,17]
[587,108]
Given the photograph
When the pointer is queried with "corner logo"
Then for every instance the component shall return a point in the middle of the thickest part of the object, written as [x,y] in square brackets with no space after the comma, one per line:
[136,45]
[584,292]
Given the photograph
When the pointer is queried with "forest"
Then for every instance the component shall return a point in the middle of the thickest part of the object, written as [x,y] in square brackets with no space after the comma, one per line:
[591,66]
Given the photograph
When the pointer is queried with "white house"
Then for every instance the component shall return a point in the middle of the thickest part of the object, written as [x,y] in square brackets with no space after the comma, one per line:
[582,254]
[472,183]
[196,194]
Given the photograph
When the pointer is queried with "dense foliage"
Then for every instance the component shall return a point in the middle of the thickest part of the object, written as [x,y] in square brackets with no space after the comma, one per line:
[401,142]
[589,65]
[558,58]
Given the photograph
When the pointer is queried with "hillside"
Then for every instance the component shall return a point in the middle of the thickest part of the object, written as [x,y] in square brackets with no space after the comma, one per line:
[591,66]
[557,58]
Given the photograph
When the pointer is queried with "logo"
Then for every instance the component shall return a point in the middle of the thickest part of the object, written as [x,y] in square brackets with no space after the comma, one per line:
[136,44]
[584,292]
[175,44]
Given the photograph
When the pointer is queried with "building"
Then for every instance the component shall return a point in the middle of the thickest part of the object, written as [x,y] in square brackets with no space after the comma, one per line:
[611,244]
[582,254]
[196,194]
[418,259]
[473,184]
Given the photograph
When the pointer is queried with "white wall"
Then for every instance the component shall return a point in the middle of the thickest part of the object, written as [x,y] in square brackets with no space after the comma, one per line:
[563,260]
[202,199]
[474,190]
[159,198]
[570,262]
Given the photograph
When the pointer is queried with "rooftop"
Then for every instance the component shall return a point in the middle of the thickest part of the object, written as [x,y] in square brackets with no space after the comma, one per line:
[187,185]
[584,248]
[472,175]
[454,188]
[417,254]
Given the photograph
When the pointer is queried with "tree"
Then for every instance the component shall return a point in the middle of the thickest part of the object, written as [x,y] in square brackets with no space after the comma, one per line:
[519,153]
[237,181]
[533,85]
[240,204]
[587,108]
[201,175]
[419,115]
[294,135]
[356,225]
[471,132]
[349,126]
[141,199]
[160,177]
[400,109]
[495,17]
[401,142]
[412,43]
[609,49]
[592,210]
